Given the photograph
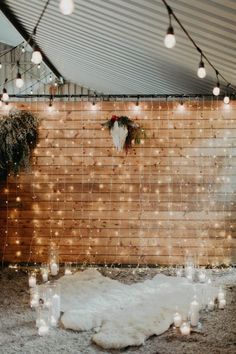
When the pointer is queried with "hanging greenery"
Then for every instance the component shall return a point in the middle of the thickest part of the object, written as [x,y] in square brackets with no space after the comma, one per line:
[124,132]
[18,136]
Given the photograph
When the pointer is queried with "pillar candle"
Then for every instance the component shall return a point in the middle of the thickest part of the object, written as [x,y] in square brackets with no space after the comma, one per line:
[177,319]
[194,312]
[68,272]
[211,305]
[222,304]
[56,306]
[43,330]
[202,277]
[45,276]
[185,328]
[32,281]
[221,295]
[54,268]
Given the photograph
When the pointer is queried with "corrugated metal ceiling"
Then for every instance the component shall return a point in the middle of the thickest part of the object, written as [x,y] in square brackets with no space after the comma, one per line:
[116,46]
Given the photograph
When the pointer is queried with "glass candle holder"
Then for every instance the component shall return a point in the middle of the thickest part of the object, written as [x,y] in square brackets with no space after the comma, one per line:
[179,271]
[44,269]
[177,318]
[68,268]
[42,320]
[52,300]
[32,280]
[54,260]
[34,297]
[202,276]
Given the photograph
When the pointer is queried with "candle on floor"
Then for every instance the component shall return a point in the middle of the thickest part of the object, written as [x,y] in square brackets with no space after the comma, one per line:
[54,268]
[53,321]
[185,328]
[56,306]
[222,304]
[32,280]
[177,319]
[221,295]
[34,297]
[43,330]
[194,312]
[68,270]
[211,305]
[45,276]
[202,277]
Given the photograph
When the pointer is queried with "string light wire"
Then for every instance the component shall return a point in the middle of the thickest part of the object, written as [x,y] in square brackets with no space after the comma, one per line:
[203,55]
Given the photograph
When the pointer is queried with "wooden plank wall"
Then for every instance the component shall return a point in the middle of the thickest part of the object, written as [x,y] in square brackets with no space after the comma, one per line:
[172,196]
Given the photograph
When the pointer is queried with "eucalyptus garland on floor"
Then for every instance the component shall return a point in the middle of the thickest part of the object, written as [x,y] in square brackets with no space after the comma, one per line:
[18,136]
[124,132]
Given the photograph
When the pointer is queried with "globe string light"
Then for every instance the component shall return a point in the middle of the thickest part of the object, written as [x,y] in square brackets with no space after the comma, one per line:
[66,7]
[19,80]
[201,73]
[170,40]
[172,14]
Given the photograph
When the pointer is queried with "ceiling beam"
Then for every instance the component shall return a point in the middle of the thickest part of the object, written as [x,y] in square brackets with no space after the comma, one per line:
[23,32]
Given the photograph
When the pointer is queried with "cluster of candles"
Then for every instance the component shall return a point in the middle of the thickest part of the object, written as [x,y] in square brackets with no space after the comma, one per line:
[46,298]
[185,323]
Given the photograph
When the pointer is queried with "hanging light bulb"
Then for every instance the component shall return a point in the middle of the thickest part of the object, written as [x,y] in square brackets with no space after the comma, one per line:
[31,91]
[19,81]
[23,49]
[170,40]
[201,72]
[226,99]
[67,7]
[5,96]
[216,89]
[36,56]
[50,78]
[0,65]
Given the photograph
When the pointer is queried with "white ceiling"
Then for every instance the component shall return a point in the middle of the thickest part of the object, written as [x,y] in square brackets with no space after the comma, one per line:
[8,33]
[116,46]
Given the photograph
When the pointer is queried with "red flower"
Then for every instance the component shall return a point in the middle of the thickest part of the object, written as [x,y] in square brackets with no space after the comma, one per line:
[114,118]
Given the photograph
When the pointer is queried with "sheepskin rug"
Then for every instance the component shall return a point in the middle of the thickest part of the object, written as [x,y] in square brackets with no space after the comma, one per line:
[125,315]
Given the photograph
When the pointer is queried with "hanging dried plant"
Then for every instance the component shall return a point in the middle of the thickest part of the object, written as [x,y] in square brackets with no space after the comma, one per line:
[18,136]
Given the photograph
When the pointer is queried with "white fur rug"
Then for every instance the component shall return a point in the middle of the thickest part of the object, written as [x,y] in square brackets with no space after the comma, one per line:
[125,315]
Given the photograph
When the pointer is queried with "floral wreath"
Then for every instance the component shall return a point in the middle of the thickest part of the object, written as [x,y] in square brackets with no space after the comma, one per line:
[124,132]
